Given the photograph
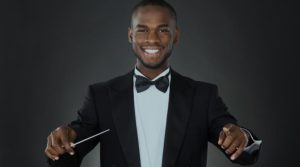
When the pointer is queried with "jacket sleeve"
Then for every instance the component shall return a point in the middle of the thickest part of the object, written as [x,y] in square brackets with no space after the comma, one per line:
[219,116]
[85,126]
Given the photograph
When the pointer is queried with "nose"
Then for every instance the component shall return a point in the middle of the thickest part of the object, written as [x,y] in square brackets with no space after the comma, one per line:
[152,37]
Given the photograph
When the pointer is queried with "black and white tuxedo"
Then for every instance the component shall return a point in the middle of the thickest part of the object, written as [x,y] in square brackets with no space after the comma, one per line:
[196,115]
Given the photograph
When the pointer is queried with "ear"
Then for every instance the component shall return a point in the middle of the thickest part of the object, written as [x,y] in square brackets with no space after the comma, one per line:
[129,35]
[177,35]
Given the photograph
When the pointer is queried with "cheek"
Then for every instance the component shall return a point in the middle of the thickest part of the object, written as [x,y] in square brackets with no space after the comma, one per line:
[137,49]
[168,44]
[166,40]
[137,38]
[136,42]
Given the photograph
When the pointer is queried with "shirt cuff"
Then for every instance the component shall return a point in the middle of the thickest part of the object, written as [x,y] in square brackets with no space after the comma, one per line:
[253,144]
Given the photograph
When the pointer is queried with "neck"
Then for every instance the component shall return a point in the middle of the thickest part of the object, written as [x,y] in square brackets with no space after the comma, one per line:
[151,73]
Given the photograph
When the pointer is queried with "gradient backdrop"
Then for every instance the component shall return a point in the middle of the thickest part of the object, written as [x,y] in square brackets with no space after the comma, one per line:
[54,49]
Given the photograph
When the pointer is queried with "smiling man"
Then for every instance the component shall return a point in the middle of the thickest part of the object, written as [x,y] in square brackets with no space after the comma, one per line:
[153,33]
[156,117]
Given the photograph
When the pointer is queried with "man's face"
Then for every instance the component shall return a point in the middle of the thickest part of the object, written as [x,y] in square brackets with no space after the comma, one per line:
[152,34]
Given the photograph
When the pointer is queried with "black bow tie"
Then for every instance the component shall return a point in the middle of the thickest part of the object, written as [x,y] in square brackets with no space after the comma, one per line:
[142,83]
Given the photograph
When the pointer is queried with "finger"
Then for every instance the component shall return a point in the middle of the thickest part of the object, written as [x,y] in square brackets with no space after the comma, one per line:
[227,129]
[238,152]
[222,137]
[233,147]
[56,143]
[52,154]
[227,142]
[67,144]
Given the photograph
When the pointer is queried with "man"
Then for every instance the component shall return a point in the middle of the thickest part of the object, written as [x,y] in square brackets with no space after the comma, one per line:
[156,116]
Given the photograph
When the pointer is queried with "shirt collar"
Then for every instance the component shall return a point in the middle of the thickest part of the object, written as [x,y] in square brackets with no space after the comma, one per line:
[166,71]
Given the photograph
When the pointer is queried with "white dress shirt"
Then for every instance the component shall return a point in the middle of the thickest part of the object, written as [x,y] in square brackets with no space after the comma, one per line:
[151,108]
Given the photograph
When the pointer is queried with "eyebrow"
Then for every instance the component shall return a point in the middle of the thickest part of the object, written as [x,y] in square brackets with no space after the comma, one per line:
[141,26]
[144,26]
[163,25]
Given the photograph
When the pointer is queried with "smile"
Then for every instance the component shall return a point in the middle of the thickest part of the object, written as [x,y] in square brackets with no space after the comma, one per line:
[151,51]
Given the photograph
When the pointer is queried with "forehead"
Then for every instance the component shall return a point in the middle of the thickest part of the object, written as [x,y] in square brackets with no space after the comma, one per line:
[152,14]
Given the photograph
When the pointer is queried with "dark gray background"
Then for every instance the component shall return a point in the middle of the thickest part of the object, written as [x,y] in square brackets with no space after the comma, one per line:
[54,49]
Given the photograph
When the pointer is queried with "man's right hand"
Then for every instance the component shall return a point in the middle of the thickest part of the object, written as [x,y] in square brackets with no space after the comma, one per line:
[59,142]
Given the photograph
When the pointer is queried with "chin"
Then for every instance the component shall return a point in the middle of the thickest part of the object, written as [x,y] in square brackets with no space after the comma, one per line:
[156,65]
[151,64]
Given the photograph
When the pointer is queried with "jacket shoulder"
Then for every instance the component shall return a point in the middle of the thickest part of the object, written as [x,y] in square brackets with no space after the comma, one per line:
[115,82]
[196,83]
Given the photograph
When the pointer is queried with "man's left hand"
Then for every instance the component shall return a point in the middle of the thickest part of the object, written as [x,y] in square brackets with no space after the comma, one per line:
[233,140]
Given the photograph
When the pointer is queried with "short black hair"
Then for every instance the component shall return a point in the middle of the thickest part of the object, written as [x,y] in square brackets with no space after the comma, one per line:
[161,3]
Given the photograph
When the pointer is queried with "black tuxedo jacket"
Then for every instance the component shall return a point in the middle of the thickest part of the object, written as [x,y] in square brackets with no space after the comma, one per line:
[196,115]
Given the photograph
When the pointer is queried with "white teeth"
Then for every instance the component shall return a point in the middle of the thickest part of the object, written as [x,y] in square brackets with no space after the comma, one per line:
[151,51]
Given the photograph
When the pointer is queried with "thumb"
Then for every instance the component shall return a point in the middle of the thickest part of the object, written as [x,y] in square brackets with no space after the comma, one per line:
[67,140]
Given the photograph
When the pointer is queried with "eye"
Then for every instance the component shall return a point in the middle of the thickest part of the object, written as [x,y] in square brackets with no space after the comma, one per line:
[142,30]
[164,30]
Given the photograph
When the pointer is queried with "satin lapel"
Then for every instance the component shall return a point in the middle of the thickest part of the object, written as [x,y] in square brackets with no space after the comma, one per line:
[121,95]
[180,102]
